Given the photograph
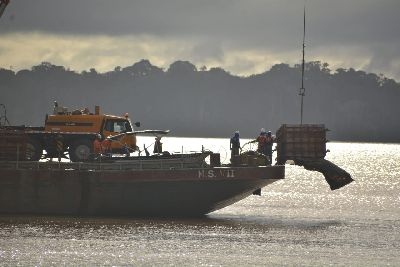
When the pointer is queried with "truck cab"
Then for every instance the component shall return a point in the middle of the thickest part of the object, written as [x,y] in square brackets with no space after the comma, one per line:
[116,125]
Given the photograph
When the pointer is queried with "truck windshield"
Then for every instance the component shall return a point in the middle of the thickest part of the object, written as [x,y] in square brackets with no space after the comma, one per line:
[118,126]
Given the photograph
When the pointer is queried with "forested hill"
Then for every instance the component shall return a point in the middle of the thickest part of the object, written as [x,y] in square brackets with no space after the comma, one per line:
[354,105]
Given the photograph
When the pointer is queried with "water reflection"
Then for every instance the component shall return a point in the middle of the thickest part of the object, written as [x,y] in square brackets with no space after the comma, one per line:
[296,221]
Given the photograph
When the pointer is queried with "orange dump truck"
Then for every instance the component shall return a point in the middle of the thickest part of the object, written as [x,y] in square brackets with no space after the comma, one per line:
[74,132]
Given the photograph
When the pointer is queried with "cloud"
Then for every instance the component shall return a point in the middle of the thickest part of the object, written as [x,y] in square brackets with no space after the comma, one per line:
[104,53]
[83,52]
[241,36]
[386,60]
[205,51]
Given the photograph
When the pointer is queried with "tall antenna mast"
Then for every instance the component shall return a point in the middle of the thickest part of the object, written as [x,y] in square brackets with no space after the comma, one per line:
[302,89]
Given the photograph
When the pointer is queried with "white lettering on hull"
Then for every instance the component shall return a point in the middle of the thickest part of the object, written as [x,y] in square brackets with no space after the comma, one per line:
[228,173]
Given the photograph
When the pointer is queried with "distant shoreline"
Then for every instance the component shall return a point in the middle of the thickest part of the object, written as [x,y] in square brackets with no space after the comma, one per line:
[250,138]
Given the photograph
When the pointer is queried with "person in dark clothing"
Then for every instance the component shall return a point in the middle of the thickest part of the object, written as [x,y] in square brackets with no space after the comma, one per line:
[157,145]
[235,145]
[269,141]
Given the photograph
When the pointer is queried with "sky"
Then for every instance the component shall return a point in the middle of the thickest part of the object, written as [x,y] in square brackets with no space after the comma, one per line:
[242,36]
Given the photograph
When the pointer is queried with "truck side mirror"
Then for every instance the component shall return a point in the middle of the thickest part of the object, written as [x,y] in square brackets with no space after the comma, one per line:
[137,124]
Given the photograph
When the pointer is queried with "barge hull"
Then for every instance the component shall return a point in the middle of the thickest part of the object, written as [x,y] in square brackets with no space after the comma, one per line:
[184,192]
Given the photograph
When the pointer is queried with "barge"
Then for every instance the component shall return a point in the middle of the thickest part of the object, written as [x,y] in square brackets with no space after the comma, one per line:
[127,188]
[159,185]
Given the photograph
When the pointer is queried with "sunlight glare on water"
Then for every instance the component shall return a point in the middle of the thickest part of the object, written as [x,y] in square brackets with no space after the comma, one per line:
[298,221]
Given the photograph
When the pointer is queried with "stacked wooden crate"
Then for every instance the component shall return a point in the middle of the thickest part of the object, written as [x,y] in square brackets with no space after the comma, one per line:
[301,142]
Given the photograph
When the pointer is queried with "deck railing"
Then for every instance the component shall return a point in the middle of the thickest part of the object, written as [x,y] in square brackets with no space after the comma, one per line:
[183,162]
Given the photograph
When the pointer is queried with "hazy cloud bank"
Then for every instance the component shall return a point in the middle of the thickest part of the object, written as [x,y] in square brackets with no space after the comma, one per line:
[225,33]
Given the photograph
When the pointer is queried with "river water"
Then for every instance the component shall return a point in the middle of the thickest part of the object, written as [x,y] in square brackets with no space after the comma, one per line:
[296,222]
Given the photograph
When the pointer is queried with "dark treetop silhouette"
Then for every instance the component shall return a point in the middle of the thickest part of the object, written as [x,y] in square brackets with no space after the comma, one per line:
[355,105]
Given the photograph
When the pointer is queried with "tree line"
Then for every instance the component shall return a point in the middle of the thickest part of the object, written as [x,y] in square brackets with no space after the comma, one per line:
[353,104]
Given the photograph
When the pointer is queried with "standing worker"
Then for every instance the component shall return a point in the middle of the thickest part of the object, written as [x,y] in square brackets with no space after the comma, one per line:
[261,140]
[157,145]
[235,145]
[269,141]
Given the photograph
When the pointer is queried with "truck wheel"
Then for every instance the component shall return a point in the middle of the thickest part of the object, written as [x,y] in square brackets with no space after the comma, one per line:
[34,150]
[80,150]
